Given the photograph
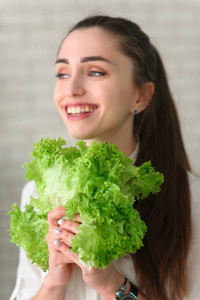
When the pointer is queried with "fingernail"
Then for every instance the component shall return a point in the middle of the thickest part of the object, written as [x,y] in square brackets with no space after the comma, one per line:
[61,221]
[57,243]
[57,231]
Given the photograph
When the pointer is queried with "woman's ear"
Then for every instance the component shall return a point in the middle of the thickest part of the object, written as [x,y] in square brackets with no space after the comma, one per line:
[144,97]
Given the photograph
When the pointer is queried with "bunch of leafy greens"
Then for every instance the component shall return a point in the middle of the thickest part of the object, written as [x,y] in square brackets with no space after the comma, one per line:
[101,184]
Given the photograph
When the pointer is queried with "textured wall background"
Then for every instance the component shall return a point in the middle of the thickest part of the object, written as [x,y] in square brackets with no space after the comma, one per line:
[30,32]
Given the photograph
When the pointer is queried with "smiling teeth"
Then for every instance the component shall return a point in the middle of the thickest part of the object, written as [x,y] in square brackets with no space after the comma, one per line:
[79,109]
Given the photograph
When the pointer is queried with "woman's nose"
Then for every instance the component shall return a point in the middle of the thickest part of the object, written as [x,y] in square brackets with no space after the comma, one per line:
[75,87]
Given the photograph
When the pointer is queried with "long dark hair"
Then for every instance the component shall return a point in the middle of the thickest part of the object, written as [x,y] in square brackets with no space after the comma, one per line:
[161,265]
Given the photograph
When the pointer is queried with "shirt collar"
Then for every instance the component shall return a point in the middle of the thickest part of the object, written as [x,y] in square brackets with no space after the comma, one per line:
[135,152]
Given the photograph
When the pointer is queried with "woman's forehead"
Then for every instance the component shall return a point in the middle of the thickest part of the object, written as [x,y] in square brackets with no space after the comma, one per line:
[91,40]
[84,45]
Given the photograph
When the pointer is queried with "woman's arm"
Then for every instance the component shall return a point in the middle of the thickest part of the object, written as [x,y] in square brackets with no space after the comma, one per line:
[50,292]
[62,264]
[61,267]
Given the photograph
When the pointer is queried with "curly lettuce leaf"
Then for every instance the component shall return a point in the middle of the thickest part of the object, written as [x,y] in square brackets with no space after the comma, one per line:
[28,229]
[101,184]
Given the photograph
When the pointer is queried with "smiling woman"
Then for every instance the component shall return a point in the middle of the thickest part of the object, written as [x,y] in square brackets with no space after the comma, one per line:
[86,95]
[112,87]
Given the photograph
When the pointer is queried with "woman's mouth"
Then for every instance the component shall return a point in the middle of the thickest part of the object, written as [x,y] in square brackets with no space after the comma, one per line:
[74,110]
[81,111]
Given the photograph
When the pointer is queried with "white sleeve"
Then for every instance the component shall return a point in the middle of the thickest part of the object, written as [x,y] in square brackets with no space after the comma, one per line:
[29,276]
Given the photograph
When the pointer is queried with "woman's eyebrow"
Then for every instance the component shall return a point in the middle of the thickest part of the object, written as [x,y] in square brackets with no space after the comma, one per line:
[94,58]
[62,61]
[84,60]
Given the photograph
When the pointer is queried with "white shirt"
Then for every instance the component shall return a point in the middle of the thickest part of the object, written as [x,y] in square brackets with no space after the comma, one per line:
[30,277]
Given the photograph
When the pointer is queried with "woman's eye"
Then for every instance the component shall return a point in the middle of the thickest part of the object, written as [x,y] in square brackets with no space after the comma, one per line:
[96,73]
[61,75]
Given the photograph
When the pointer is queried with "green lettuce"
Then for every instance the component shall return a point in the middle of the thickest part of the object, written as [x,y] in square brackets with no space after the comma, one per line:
[101,184]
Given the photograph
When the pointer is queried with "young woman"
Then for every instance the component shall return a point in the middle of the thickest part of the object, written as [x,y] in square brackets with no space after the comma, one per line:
[112,87]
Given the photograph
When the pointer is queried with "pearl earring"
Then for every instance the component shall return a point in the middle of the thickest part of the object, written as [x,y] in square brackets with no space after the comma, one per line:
[135,111]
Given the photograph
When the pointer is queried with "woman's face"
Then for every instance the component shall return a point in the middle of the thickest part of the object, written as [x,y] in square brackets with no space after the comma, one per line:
[95,93]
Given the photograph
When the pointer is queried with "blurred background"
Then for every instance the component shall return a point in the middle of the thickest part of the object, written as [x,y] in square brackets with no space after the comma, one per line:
[30,33]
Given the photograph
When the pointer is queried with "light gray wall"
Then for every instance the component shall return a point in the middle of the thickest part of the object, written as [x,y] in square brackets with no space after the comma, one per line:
[30,32]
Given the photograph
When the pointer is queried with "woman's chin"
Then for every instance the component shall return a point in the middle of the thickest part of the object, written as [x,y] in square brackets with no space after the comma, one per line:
[80,136]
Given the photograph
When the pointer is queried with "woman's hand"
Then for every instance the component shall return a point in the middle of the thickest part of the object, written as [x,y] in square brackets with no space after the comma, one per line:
[105,281]
[61,264]
[63,261]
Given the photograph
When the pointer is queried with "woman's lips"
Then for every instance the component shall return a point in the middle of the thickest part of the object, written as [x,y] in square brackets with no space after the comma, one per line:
[79,111]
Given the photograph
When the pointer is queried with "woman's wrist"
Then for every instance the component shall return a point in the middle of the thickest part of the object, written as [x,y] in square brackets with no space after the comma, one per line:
[51,284]
[50,291]
[109,292]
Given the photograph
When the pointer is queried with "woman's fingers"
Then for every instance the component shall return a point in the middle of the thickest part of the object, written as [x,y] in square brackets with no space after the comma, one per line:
[61,229]
[66,251]
[77,218]
[54,215]
[57,217]
[61,232]
[55,255]
[61,264]
[71,226]
[64,236]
